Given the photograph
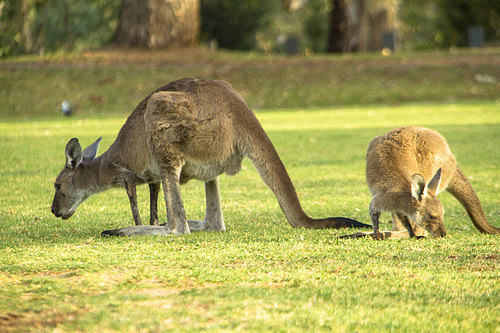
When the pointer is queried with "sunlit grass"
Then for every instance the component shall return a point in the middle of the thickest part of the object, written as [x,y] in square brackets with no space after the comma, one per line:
[260,274]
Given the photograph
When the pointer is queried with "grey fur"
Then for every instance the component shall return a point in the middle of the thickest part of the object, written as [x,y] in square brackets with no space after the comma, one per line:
[91,151]
[188,129]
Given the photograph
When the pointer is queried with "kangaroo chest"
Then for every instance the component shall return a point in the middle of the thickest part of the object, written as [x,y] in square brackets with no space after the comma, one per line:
[207,170]
[195,169]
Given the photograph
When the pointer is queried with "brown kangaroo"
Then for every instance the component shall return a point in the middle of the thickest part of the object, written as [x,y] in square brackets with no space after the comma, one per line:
[187,129]
[405,171]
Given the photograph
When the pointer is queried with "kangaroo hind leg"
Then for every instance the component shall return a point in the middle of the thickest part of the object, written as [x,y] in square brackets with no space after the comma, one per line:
[214,220]
[176,216]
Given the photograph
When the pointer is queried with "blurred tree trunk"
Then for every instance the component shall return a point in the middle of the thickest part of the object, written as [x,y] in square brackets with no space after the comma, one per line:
[158,24]
[359,25]
[67,26]
[338,33]
[377,18]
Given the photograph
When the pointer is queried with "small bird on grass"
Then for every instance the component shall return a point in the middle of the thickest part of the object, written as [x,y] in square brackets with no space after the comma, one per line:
[66,108]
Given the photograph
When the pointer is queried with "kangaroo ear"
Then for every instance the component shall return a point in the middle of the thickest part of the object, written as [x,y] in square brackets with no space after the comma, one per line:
[73,153]
[433,185]
[418,187]
[91,151]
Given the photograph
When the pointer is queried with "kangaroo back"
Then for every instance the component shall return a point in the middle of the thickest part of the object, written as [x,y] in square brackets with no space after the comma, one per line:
[393,158]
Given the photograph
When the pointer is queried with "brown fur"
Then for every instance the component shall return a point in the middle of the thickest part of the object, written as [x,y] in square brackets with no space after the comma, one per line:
[188,129]
[409,156]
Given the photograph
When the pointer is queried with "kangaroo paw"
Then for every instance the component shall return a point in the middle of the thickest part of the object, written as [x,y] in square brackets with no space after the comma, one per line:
[195,225]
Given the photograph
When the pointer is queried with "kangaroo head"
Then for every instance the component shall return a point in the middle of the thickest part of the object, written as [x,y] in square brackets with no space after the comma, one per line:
[71,191]
[429,212]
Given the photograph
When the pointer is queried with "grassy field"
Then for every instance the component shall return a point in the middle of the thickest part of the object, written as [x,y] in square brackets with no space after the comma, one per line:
[260,274]
[112,82]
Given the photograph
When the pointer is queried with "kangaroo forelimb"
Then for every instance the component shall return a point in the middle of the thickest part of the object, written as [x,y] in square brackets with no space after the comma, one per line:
[154,189]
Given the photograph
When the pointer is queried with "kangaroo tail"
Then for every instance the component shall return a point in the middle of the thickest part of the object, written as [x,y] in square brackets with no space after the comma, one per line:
[462,190]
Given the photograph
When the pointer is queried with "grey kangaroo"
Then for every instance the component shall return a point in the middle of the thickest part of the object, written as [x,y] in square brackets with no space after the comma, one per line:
[405,170]
[187,129]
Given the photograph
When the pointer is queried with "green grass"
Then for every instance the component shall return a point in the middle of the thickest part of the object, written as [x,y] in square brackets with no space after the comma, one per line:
[111,82]
[260,274]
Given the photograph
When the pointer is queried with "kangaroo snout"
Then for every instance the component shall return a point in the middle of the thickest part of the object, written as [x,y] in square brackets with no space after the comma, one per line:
[58,213]
[61,215]
[54,211]
[438,234]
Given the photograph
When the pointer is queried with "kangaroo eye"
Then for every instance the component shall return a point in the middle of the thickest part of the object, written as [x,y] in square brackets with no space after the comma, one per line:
[57,186]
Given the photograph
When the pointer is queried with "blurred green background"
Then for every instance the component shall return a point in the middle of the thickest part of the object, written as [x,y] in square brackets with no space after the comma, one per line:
[290,26]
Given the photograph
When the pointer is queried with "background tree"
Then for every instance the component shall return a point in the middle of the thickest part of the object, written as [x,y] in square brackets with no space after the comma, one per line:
[37,26]
[376,19]
[426,24]
[158,23]
[233,24]
[359,25]
[338,32]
